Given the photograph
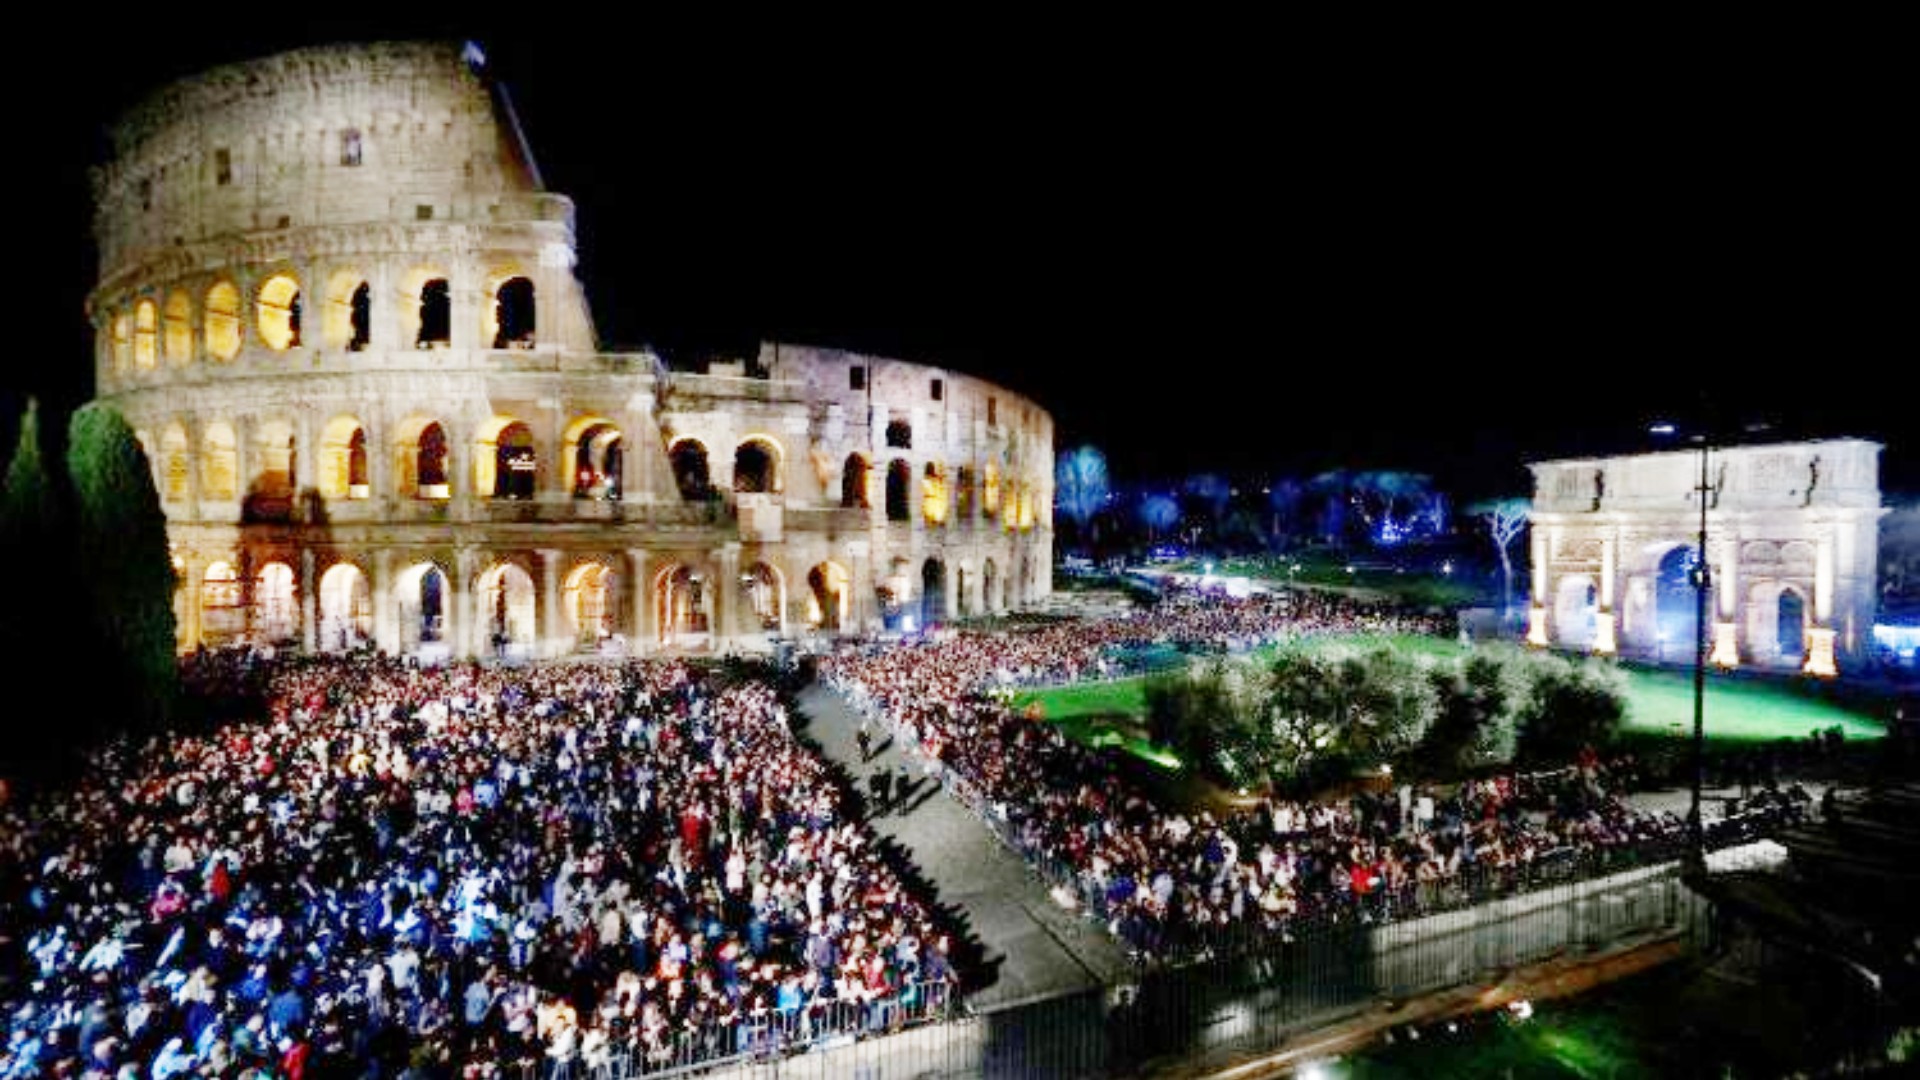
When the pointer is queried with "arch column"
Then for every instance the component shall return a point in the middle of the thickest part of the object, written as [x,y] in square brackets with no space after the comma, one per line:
[640,625]
[304,456]
[1537,630]
[726,559]
[467,591]
[196,582]
[1821,660]
[383,308]
[385,631]
[549,618]
[860,580]
[309,603]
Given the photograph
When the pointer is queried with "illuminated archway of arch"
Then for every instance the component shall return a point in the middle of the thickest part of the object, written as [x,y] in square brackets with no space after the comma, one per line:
[595,453]
[122,343]
[682,598]
[343,460]
[176,463]
[829,593]
[933,495]
[766,595]
[963,498]
[146,330]
[219,460]
[505,463]
[420,459]
[990,491]
[422,601]
[223,320]
[688,457]
[592,603]
[346,608]
[508,322]
[178,339]
[223,618]
[756,466]
[347,322]
[506,610]
[277,312]
[276,613]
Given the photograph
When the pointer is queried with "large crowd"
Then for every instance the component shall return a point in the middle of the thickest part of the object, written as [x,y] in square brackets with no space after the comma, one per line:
[461,870]
[1165,882]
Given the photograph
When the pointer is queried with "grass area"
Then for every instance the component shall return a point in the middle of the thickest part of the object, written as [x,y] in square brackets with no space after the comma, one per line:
[1324,570]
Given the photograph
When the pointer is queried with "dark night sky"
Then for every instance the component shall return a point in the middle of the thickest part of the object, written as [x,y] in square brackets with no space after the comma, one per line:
[1201,251]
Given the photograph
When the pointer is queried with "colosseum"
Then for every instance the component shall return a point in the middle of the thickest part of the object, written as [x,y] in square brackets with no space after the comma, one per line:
[339,308]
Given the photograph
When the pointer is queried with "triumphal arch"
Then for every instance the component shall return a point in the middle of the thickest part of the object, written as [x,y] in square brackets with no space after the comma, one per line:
[338,306]
[1792,550]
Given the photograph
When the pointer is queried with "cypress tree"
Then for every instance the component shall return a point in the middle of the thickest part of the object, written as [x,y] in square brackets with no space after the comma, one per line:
[35,623]
[120,544]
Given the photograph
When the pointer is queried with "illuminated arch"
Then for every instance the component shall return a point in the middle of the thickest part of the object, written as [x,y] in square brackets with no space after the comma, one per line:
[346,608]
[176,464]
[422,600]
[420,459]
[682,597]
[829,593]
[853,483]
[506,612]
[592,602]
[1575,611]
[688,456]
[594,451]
[178,338]
[223,321]
[343,460]
[146,334]
[277,312]
[933,494]
[756,465]
[990,491]
[347,322]
[506,464]
[508,322]
[223,619]
[766,596]
[276,613]
[121,336]
[219,461]
[963,488]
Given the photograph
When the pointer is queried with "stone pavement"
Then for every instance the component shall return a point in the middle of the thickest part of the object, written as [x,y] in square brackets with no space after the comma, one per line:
[1031,948]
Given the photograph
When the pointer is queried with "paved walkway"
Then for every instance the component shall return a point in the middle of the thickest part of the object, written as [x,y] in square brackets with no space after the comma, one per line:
[1030,947]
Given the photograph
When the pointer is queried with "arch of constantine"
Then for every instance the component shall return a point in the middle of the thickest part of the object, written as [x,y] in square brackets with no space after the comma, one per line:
[339,309]
[1792,550]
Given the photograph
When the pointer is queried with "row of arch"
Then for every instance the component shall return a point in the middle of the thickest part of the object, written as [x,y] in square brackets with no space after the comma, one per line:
[266,607]
[938,497]
[1777,615]
[141,336]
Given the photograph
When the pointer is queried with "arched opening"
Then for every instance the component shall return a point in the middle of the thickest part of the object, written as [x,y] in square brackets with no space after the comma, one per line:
[689,460]
[343,460]
[681,596]
[219,461]
[1575,605]
[990,491]
[178,338]
[274,459]
[1791,624]
[765,588]
[223,619]
[346,608]
[276,616]
[223,321]
[420,595]
[963,494]
[176,464]
[756,467]
[597,453]
[512,315]
[507,611]
[989,600]
[348,323]
[592,603]
[277,312]
[828,589]
[853,483]
[435,316]
[900,435]
[146,328]
[933,593]
[1676,614]
[899,480]
[420,460]
[505,463]
[122,338]
[933,495]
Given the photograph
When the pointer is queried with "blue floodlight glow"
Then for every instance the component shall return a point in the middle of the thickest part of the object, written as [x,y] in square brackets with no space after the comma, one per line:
[1902,641]
[1661,429]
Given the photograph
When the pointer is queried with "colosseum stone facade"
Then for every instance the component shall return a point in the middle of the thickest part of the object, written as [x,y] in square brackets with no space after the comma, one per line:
[339,308]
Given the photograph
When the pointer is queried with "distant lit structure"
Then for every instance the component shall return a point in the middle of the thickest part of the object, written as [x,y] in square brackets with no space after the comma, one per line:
[1793,546]
[338,306]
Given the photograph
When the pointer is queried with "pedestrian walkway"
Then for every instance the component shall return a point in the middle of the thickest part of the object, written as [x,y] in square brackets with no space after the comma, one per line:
[1032,948]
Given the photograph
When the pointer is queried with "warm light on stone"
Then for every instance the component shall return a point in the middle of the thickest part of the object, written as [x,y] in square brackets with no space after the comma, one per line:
[1726,647]
[1820,661]
[1604,643]
[1537,626]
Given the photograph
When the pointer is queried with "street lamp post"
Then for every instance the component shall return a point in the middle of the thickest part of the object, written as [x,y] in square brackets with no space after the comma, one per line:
[1702,582]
